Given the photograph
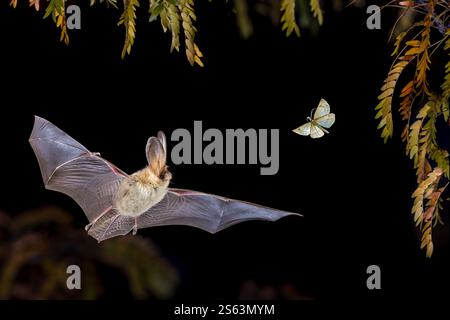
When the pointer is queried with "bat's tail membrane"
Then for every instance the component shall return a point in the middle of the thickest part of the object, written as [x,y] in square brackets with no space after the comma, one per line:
[111,225]
[53,147]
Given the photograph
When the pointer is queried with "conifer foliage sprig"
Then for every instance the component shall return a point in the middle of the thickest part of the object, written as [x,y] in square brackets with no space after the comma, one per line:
[128,20]
[316,10]
[424,111]
[179,18]
[288,18]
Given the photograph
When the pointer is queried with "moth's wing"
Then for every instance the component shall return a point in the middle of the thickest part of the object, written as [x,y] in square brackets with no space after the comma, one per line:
[68,167]
[303,130]
[322,109]
[205,211]
[326,121]
[316,132]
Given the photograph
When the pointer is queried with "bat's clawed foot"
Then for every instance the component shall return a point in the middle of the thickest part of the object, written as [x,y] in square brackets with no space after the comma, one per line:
[135,228]
[88,226]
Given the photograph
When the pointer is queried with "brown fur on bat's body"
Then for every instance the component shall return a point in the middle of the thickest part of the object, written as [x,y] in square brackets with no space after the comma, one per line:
[116,203]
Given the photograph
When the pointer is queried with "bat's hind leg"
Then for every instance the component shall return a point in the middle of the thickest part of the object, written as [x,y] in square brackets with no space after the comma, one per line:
[135,227]
[90,224]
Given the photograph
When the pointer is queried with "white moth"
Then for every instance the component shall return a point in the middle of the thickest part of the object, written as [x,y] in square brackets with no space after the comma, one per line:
[316,126]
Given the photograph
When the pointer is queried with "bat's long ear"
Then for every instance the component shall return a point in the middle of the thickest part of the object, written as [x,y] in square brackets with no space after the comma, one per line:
[162,139]
[156,155]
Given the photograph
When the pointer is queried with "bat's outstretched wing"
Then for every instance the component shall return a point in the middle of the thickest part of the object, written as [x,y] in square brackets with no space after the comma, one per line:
[205,211]
[68,167]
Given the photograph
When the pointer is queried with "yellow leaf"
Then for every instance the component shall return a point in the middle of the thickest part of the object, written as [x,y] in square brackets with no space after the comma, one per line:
[316,10]
[429,249]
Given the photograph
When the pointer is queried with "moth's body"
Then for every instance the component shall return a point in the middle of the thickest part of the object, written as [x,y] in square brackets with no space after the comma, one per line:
[315,123]
[315,127]
[141,191]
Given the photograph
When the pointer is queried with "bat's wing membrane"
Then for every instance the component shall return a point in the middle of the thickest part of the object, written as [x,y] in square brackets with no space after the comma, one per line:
[53,147]
[68,167]
[205,211]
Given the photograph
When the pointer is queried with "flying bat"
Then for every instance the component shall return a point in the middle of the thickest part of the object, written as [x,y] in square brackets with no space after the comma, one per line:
[116,203]
[315,127]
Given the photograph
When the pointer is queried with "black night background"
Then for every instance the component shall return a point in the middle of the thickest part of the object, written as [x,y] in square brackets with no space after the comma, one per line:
[353,190]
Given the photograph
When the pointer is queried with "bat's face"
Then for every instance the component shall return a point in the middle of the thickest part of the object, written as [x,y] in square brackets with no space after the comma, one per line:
[145,188]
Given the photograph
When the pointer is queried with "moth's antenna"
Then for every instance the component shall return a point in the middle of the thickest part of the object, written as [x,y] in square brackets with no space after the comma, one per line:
[310,115]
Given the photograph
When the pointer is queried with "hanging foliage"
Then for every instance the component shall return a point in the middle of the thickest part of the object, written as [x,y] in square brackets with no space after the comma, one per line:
[128,20]
[317,10]
[57,10]
[178,17]
[423,108]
